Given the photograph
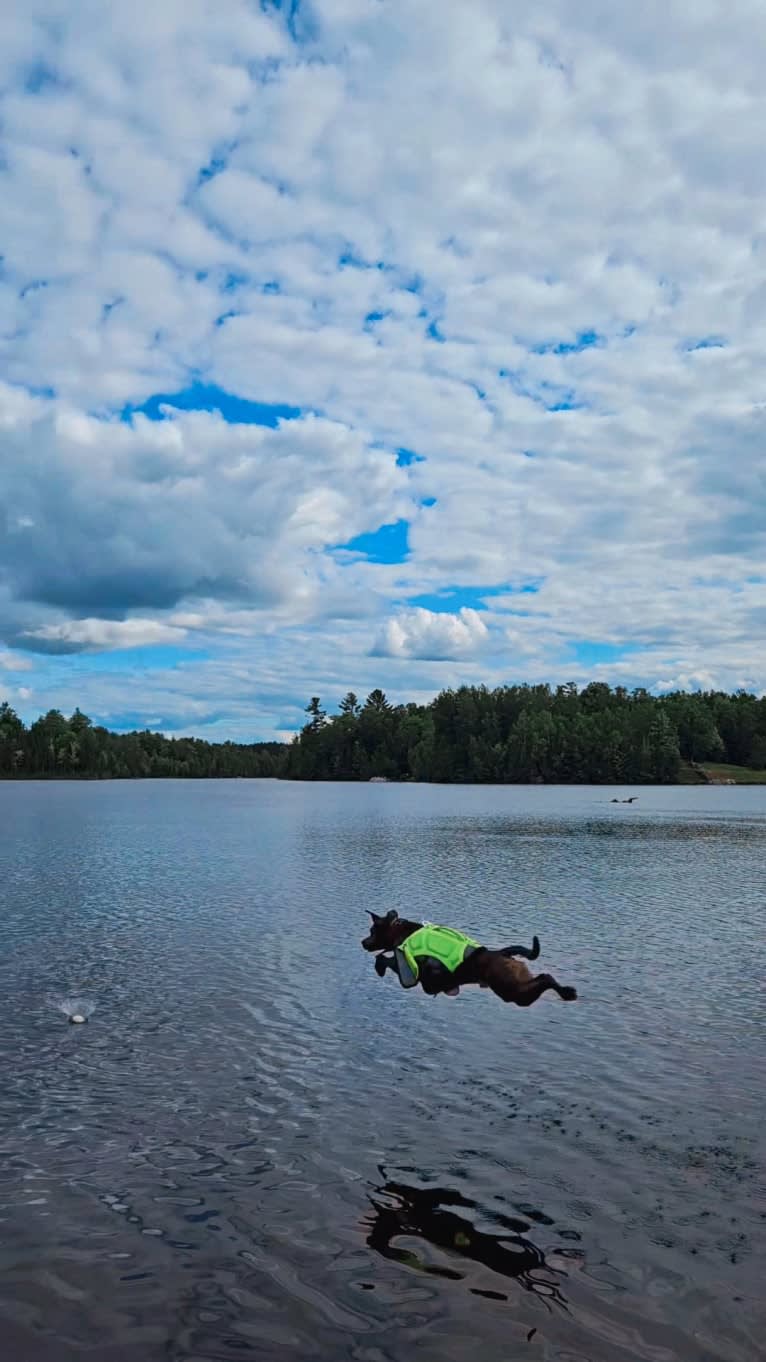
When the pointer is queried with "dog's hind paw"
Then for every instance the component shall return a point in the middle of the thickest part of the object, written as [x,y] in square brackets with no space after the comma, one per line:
[568,994]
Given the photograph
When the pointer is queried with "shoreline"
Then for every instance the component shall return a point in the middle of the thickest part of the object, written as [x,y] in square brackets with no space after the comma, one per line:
[742,777]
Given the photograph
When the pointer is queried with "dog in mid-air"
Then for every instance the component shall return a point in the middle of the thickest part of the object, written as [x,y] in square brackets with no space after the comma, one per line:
[442,961]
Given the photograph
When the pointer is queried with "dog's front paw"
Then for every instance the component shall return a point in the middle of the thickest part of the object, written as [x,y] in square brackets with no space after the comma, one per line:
[568,994]
[381,965]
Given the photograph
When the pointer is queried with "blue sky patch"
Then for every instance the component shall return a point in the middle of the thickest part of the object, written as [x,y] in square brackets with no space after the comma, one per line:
[214,167]
[233,281]
[348,259]
[549,395]
[583,341]
[136,720]
[32,287]
[589,654]
[706,343]
[209,397]
[41,77]
[389,544]
[455,598]
[298,19]
[158,658]
[406,457]
[35,391]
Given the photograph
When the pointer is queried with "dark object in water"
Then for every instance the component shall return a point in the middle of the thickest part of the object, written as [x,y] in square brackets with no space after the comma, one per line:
[433,1215]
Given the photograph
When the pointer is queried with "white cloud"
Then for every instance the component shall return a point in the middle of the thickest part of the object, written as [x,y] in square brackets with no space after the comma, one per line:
[200,196]
[687,681]
[426,634]
[103,635]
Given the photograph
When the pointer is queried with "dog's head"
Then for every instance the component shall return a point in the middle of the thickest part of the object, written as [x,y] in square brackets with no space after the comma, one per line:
[382,935]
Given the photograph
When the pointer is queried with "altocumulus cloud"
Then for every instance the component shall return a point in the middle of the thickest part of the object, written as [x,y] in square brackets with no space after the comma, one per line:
[313,315]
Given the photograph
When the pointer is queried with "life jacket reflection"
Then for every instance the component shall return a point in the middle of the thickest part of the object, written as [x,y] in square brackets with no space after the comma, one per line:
[448,947]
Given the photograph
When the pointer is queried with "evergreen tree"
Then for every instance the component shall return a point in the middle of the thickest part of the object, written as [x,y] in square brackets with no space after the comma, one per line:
[317,716]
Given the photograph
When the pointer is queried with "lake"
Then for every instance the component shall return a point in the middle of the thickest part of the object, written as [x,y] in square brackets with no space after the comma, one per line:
[257,1149]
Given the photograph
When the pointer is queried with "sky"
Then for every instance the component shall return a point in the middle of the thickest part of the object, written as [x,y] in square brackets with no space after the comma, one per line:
[357,343]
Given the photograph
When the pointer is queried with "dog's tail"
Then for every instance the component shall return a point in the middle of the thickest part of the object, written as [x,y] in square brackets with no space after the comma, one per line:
[523,951]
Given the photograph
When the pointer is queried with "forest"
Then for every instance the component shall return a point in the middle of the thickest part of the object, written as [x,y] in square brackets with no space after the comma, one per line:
[56,747]
[530,734]
[512,734]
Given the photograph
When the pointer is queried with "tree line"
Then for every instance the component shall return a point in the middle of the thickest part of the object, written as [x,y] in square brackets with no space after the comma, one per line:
[54,746]
[595,735]
[525,734]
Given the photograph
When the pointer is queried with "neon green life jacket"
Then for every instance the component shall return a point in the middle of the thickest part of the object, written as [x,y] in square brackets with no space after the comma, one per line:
[450,948]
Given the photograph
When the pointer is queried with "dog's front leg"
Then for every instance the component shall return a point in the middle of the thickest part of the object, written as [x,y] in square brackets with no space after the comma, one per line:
[386,962]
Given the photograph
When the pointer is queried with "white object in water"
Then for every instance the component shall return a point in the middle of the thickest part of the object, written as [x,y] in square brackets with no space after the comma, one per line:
[76,1018]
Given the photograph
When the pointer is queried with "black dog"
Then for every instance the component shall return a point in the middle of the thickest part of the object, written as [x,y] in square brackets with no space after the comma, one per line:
[468,962]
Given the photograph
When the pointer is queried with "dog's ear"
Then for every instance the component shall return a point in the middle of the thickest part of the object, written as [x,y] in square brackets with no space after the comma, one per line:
[392,915]
[374,916]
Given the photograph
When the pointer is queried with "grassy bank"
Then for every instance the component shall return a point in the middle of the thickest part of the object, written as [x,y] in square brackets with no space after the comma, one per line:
[718,772]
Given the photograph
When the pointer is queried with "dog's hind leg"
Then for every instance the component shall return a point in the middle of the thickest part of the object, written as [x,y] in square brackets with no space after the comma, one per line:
[527,994]
[523,951]
[512,981]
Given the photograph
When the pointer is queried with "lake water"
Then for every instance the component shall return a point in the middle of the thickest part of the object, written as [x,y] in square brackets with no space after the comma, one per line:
[258,1149]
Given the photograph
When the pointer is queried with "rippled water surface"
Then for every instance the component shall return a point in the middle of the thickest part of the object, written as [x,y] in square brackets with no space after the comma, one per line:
[255,1148]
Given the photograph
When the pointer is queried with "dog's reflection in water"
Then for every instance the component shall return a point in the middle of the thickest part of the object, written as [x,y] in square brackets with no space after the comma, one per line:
[400,1211]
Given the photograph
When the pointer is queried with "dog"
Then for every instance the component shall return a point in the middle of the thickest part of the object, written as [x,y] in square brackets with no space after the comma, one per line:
[442,961]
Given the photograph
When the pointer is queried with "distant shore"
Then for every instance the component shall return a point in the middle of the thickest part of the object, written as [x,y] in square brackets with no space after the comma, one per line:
[717,776]
[512,735]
